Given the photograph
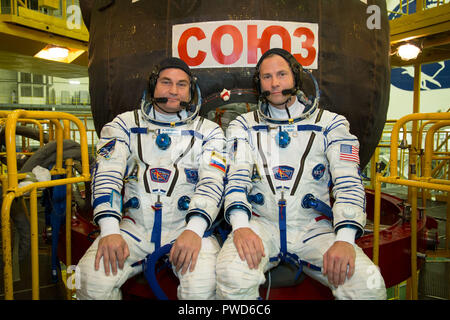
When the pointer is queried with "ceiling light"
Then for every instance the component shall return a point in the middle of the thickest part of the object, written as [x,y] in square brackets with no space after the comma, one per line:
[60,54]
[53,53]
[74,82]
[408,51]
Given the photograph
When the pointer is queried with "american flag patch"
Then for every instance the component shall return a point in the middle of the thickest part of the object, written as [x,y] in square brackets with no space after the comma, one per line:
[218,162]
[349,153]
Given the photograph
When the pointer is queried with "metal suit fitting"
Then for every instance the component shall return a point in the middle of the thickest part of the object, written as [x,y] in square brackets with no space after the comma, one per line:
[132,203]
[256,198]
[183,203]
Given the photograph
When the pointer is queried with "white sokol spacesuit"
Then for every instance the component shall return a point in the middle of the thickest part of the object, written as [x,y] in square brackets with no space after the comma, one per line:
[280,162]
[171,170]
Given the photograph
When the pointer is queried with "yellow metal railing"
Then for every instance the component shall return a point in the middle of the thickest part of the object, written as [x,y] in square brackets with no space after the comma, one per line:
[48,16]
[414,182]
[10,184]
[384,145]
[427,174]
[437,154]
[387,144]
[48,127]
[421,5]
[34,122]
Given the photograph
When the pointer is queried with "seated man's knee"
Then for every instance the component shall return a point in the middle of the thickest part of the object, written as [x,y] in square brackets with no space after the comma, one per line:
[366,284]
[235,280]
[95,284]
[199,284]
[374,284]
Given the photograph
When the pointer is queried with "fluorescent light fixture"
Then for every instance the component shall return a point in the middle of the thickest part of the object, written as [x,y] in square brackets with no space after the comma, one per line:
[408,51]
[74,82]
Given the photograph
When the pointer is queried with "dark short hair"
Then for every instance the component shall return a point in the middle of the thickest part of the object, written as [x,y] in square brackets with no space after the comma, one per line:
[168,63]
[174,63]
[294,65]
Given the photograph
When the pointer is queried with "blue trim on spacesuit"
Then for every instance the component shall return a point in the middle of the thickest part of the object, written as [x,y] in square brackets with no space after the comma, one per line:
[246,127]
[309,110]
[109,176]
[309,127]
[106,214]
[156,231]
[209,187]
[108,182]
[131,235]
[100,200]
[334,125]
[350,224]
[206,194]
[341,140]
[110,125]
[316,235]
[139,130]
[201,213]
[235,189]
[300,127]
[260,127]
[237,205]
[282,225]
[192,133]
[172,124]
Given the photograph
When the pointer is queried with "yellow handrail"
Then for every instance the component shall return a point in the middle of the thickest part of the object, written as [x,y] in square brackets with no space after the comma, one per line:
[429,146]
[414,182]
[14,191]
[396,129]
[35,122]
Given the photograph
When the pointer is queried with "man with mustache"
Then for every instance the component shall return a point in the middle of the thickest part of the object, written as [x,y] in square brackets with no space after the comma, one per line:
[168,162]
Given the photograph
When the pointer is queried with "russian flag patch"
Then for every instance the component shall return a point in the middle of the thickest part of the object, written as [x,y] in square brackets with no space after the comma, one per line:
[218,162]
[349,153]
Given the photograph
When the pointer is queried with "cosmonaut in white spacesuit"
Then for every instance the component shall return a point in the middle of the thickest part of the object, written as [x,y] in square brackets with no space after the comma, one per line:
[170,164]
[283,158]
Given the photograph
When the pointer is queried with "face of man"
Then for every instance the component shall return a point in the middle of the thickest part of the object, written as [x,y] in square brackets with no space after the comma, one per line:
[173,84]
[275,76]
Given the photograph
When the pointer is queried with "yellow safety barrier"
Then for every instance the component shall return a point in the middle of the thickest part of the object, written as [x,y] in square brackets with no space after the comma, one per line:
[375,157]
[92,134]
[14,191]
[414,182]
[429,150]
[35,122]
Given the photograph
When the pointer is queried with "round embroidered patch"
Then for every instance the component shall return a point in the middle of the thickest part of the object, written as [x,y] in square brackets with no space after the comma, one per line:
[318,171]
